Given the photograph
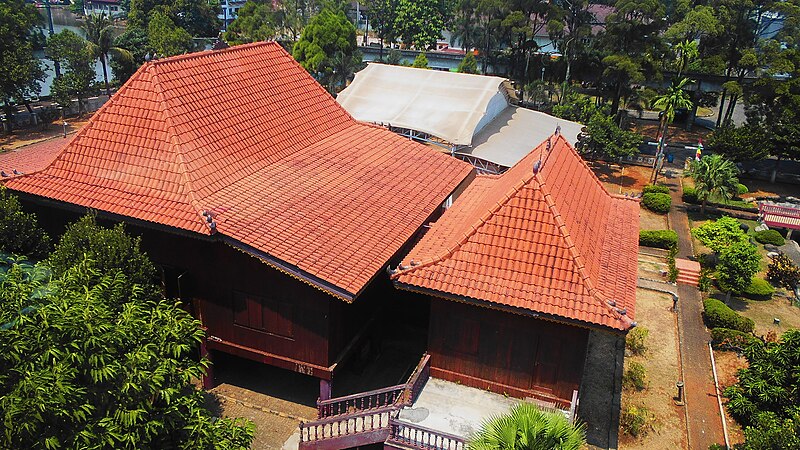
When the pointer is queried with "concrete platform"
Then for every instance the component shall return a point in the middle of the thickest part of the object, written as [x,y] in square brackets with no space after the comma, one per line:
[453,408]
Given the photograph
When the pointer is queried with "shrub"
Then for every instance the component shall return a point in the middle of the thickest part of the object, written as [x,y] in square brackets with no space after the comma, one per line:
[689,195]
[19,231]
[665,239]
[719,234]
[728,339]
[635,342]
[759,290]
[741,189]
[769,237]
[718,315]
[636,421]
[673,268]
[783,272]
[635,376]
[656,202]
[655,189]
[704,284]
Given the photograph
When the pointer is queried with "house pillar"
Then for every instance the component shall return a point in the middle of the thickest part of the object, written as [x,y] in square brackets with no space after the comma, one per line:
[208,377]
[325,388]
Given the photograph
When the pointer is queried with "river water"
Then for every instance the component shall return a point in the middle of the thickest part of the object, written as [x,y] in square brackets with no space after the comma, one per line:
[63,19]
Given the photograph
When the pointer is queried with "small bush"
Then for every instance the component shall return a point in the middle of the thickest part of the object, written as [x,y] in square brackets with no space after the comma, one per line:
[655,189]
[782,271]
[659,203]
[665,239]
[727,339]
[769,237]
[635,377]
[704,284]
[741,189]
[719,315]
[759,290]
[673,268]
[636,421]
[635,342]
[689,195]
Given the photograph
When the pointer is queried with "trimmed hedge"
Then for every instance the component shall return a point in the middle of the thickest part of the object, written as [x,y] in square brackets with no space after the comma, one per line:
[741,189]
[769,237]
[655,189]
[665,239]
[719,315]
[759,290]
[656,202]
[731,339]
[689,195]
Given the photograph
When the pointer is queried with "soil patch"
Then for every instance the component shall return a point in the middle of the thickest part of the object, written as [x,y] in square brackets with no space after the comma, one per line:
[764,312]
[675,133]
[27,136]
[759,188]
[618,179]
[648,220]
[728,364]
[661,361]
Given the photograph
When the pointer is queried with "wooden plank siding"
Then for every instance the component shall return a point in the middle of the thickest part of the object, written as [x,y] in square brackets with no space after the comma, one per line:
[505,353]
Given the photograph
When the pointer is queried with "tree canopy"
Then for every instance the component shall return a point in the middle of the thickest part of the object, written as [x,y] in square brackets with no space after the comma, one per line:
[20,71]
[75,57]
[166,38]
[714,175]
[20,233]
[327,35]
[255,21]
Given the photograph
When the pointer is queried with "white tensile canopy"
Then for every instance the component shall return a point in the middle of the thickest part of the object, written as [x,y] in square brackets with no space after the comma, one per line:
[450,106]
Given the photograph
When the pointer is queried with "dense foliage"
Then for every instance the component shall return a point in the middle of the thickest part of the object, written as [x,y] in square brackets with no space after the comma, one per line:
[718,315]
[328,36]
[769,237]
[528,427]
[714,176]
[20,71]
[468,64]
[80,370]
[758,289]
[77,62]
[421,61]
[783,272]
[665,239]
[719,234]
[725,339]
[113,252]
[19,231]
[737,265]
[657,202]
[766,399]
[655,189]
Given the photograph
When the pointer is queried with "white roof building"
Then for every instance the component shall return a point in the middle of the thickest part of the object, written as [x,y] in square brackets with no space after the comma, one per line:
[471,114]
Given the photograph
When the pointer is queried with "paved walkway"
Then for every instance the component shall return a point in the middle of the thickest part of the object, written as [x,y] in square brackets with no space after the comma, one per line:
[704,422]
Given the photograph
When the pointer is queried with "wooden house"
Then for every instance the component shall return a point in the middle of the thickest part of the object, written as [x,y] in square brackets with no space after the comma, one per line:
[518,271]
[269,208]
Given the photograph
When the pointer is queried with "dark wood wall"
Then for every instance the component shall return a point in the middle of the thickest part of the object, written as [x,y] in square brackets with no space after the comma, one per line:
[505,352]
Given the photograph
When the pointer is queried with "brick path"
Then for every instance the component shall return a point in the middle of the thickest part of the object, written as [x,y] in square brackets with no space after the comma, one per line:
[704,422]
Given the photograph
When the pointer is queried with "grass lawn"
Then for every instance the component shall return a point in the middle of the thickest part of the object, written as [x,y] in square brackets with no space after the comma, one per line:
[661,361]
[740,202]
[764,311]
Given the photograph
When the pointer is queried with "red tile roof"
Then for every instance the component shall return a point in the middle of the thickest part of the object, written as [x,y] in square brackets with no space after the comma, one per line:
[31,158]
[553,242]
[247,135]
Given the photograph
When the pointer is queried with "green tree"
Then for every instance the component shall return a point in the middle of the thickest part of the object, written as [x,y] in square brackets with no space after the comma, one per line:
[112,250]
[136,40]
[719,234]
[420,22]
[327,35]
[20,71]
[80,371]
[673,99]
[421,61]
[714,176]
[606,140]
[382,17]
[743,143]
[464,28]
[197,17]
[395,57]
[468,64]
[75,56]
[98,29]
[737,264]
[528,427]
[618,73]
[19,231]
[255,21]
[166,38]
[766,398]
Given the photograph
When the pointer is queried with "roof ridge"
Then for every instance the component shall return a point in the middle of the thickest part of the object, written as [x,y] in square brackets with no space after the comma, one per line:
[482,220]
[197,55]
[577,257]
[176,147]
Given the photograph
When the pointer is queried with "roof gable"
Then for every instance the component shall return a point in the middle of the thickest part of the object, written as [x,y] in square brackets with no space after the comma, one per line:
[243,143]
[550,240]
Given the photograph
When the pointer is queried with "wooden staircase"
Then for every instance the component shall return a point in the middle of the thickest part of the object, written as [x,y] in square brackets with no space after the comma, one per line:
[688,272]
[361,419]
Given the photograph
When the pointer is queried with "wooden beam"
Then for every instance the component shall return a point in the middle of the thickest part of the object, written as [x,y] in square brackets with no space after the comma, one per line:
[284,362]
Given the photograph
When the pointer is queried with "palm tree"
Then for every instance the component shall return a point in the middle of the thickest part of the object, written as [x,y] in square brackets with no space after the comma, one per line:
[528,427]
[100,39]
[685,51]
[675,98]
[714,176]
